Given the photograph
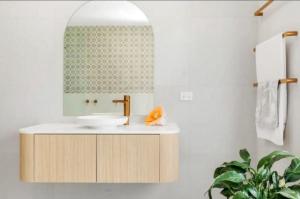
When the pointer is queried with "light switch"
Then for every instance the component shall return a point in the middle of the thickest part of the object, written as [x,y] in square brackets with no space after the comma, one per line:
[186,96]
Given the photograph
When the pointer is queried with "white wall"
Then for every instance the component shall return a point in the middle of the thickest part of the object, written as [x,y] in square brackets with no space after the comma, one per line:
[204,47]
[109,13]
[280,17]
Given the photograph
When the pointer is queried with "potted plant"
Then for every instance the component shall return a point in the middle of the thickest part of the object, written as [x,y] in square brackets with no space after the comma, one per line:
[238,180]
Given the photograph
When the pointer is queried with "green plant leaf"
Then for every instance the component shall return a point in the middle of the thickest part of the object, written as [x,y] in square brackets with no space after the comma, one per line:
[252,191]
[240,195]
[270,159]
[245,155]
[229,167]
[288,193]
[226,192]
[292,173]
[226,187]
[229,176]
[265,193]
[221,170]
[275,179]
[262,175]
[295,187]
[240,165]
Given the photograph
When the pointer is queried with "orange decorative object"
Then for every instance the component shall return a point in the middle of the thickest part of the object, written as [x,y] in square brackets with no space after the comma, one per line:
[155,117]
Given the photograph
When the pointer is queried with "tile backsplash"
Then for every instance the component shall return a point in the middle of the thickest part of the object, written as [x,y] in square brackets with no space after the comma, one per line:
[108,59]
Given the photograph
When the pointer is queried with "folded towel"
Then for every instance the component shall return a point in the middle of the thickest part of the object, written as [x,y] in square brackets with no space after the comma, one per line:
[156,117]
[270,66]
[267,105]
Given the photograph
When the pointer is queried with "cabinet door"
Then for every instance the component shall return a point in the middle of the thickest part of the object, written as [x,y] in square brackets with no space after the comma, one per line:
[65,158]
[128,158]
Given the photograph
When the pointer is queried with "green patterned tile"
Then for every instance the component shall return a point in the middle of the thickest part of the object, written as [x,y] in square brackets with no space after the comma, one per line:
[108,59]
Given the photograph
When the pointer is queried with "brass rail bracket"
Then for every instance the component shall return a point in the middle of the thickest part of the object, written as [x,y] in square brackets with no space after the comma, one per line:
[260,11]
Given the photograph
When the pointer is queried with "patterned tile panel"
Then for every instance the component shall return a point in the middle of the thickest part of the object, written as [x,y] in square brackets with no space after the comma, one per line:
[108,59]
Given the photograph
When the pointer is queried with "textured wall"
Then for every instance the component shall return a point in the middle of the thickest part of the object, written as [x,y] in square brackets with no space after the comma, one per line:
[204,47]
[280,17]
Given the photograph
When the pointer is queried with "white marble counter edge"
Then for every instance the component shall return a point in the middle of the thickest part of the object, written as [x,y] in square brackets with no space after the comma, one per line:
[63,128]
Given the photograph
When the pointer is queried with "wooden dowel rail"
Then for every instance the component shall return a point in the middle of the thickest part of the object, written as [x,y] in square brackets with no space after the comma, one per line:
[283,81]
[260,11]
[289,34]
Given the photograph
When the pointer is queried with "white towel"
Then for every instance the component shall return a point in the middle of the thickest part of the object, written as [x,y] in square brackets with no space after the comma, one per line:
[267,105]
[271,66]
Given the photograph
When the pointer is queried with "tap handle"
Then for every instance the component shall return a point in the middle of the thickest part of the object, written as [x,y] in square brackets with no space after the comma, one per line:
[118,101]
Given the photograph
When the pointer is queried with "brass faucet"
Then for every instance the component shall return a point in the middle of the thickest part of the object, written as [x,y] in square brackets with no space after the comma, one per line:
[126,102]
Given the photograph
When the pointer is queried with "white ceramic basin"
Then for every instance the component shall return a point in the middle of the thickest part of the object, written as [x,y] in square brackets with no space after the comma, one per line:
[101,121]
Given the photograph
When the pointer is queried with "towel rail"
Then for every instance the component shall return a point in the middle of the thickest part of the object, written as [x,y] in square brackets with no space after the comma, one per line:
[289,34]
[283,81]
[285,35]
[260,11]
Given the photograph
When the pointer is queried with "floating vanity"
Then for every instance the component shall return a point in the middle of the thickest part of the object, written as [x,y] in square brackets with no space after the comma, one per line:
[70,153]
[108,59]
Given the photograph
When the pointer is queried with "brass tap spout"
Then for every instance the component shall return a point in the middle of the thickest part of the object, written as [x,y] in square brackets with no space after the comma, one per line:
[126,102]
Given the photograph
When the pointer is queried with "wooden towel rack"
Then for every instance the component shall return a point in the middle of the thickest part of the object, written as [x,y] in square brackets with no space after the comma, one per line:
[288,80]
[285,35]
[282,81]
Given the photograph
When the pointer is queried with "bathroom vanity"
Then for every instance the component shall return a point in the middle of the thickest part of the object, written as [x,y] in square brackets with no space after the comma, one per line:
[71,153]
[108,59]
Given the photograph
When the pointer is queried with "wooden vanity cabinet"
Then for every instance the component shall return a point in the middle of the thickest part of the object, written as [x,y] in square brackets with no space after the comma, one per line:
[104,158]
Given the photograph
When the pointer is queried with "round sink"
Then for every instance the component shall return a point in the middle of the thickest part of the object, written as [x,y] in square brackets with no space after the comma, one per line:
[102,120]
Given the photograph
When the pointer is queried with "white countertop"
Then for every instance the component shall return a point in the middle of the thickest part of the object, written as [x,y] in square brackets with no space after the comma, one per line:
[73,128]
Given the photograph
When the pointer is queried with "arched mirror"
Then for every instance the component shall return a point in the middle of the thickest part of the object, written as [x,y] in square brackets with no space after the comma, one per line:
[108,53]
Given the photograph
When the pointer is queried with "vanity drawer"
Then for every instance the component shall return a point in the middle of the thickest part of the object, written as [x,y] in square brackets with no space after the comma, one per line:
[128,158]
[65,158]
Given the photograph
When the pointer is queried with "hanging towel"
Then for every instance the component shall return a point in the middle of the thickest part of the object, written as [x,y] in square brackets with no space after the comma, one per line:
[270,67]
[267,105]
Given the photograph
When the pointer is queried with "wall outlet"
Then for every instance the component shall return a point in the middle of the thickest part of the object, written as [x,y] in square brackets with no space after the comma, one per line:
[186,96]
